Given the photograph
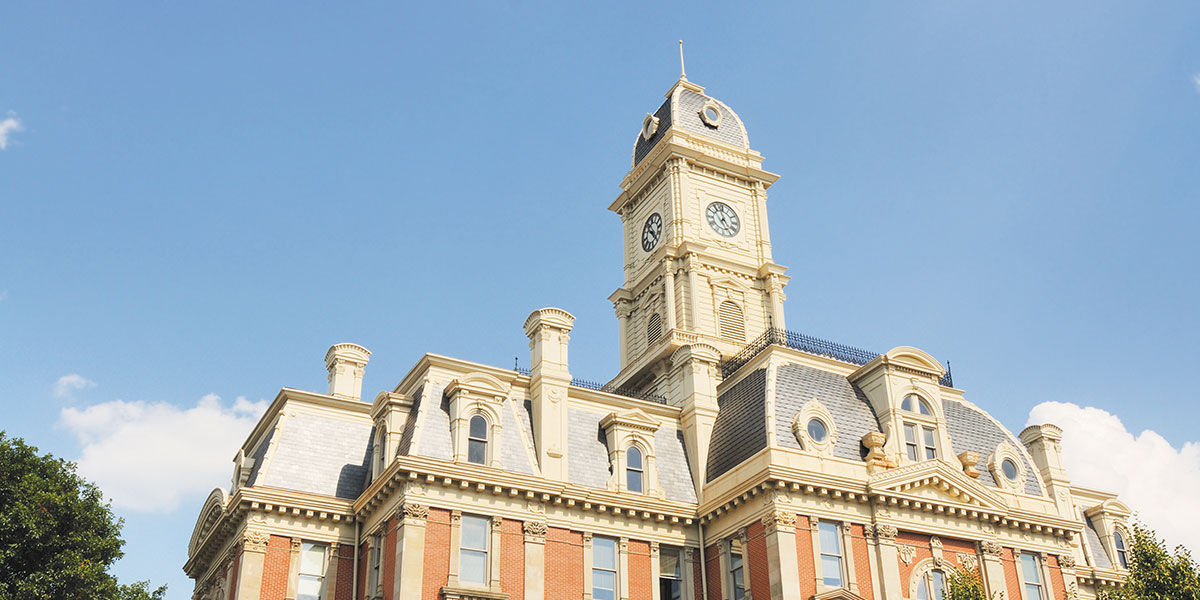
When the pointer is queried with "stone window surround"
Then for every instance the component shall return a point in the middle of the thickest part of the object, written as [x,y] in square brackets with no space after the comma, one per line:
[622,590]
[726,563]
[921,571]
[1003,451]
[328,577]
[1043,570]
[849,577]
[462,410]
[894,419]
[623,430]
[815,409]
[493,563]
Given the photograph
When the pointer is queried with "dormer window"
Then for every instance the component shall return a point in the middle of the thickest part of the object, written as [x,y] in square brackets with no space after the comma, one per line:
[920,442]
[634,471]
[914,403]
[1119,542]
[477,440]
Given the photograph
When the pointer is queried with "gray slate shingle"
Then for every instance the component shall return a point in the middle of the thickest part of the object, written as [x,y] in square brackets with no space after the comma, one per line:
[740,430]
[796,385]
[320,455]
[970,429]
[587,451]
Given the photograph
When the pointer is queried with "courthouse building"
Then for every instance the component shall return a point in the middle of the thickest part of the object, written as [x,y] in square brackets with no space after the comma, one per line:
[728,459]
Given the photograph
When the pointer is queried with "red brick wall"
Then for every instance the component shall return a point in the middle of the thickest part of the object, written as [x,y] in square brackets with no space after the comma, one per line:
[862,562]
[437,553]
[512,559]
[345,573]
[804,555]
[1010,573]
[712,562]
[760,567]
[952,547]
[1057,585]
[364,563]
[698,575]
[387,563]
[275,568]
[921,542]
[641,578]
[564,564]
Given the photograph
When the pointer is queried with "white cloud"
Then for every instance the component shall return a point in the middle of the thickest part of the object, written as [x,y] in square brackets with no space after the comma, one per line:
[1154,478]
[67,385]
[1196,81]
[147,456]
[11,124]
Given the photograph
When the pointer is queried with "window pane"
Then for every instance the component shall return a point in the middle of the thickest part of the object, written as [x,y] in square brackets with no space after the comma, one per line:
[939,585]
[930,447]
[604,553]
[830,544]
[928,437]
[308,588]
[477,452]
[930,453]
[924,411]
[907,403]
[739,579]
[634,481]
[912,451]
[831,570]
[923,591]
[670,589]
[1033,592]
[472,566]
[604,584]
[633,458]
[1029,568]
[474,533]
[816,430]
[1010,469]
[910,433]
[312,559]
[668,561]
[735,561]
[478,427]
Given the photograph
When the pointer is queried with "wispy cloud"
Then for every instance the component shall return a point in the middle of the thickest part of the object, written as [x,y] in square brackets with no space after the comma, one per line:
[1151,476]
[10,124]
[1196,82]
[147,456]
[67,385]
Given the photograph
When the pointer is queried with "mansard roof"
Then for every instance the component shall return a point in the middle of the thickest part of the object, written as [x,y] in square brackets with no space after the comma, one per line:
[682,110]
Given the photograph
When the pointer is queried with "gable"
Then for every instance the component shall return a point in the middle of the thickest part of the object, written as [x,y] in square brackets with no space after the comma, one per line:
[935,480]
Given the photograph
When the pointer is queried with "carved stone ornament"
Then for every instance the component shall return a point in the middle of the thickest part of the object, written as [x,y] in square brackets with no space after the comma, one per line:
[455,517]
[587,539]
[255,540]
[772,521]
[935,542]
[536,529]
[412,510]
[907,553]
[1066,561]
[970,561]
[884,532]
[991,548]
[296,544]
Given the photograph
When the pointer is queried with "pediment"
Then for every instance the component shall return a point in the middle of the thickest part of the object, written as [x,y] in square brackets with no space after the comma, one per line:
[479,383]
[214,508]
[915,359]
[633,418]
[935,480]
[838,594]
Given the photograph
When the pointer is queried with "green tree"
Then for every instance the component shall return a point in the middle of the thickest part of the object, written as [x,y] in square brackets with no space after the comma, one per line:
[1154,573]
[965,584]
[58,537]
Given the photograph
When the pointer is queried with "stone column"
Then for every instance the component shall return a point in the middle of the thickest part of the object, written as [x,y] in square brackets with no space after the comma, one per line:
[888,558]
[780,530]
[623,568]
[331,570]
[250,572]
[669,290]
[656,569]
[993,568]
[587,566]
[744,541]
[535,560]
[410,551]
[497,525]
[293,569]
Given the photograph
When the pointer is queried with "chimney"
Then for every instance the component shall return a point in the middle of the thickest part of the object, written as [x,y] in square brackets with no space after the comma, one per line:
[1044,443]
[548,330]
[346,363]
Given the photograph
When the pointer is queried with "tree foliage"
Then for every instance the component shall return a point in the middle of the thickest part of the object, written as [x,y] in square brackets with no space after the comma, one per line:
[1154,573]
[58,538]
[965,584]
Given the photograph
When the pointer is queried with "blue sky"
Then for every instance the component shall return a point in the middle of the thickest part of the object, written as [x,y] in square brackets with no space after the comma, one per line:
[197,200]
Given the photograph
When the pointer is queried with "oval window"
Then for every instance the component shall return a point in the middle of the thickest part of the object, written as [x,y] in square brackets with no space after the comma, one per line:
[1010,469]
[816,430]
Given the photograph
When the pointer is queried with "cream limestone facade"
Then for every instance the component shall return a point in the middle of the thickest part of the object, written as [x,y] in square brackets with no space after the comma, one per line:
[727,459]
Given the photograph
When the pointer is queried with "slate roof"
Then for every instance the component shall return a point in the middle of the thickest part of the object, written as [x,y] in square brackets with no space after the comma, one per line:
[740,430]
[972,429]
[1092,538]
[317,454]
[682,110]
[587,456]
[796,385]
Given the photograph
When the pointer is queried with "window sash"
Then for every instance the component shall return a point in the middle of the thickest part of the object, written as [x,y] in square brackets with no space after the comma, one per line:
[604,568]
[930,443]
[830,544]
[473,549]
[910,440]
[376,556]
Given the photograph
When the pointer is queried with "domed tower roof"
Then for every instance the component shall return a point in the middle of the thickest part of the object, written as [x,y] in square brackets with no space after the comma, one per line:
[688,108]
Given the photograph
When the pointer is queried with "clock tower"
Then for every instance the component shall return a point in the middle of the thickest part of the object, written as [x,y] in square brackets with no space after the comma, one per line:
[698,267]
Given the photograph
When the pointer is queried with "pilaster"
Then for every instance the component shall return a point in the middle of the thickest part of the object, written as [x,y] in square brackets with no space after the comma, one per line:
[993,567]
[250,572]
[535,559]
[410,551]
[888,559]
[779,527]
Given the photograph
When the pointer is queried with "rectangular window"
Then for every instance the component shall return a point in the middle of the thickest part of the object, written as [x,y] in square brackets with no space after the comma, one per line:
[604,568]
[670,573]
[312,571]
[376,557]
[737,574]
[830,541]
[910,441]
[1031,572]
[473,550]
[930,447]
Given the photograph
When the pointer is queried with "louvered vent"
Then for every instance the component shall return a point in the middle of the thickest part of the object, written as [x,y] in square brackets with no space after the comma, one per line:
[653,329]
[732,322]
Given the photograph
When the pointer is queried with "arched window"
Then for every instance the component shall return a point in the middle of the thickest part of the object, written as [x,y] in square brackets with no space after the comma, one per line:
[732,322]
[932,585]
[380,458]
[1119,541]
[634,470]
[477,440]
[914,403]
[653,329]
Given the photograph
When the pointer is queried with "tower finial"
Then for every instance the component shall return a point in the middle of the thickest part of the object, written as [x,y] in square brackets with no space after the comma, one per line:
[682,71]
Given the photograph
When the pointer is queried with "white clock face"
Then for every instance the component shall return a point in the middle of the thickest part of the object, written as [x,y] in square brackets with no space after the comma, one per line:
[651,232]
[723,219]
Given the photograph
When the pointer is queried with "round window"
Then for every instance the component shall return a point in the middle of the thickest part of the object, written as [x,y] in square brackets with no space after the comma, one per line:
[816,430]
[711,114]
[1010,469]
